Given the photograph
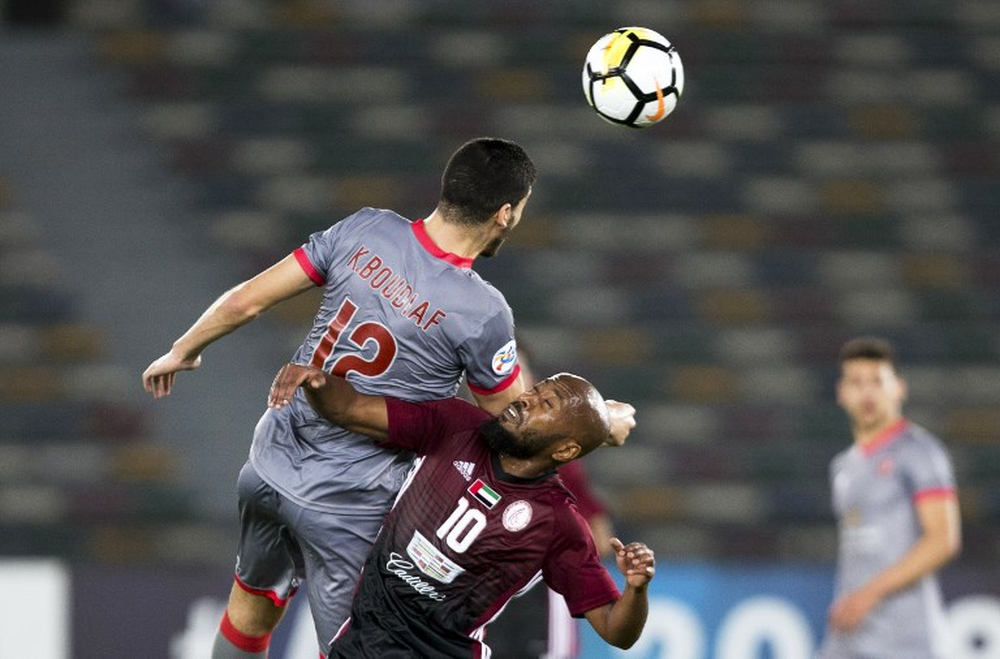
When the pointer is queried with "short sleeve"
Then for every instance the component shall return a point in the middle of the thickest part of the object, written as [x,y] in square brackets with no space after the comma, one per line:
[420,427]
[319,253]
[573,568]
[490,355]
[927,467]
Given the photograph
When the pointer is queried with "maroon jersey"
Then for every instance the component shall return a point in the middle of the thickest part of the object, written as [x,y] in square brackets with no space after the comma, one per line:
[462,539]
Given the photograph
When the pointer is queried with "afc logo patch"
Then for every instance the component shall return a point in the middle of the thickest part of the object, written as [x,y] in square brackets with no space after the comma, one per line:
[505,358]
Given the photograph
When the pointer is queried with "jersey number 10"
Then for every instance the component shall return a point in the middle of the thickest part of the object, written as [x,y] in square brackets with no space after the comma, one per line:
[462,527]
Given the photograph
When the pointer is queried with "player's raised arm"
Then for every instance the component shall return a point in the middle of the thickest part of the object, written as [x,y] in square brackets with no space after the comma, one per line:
[495,403]
[621,623]
[233,309]
[333,397]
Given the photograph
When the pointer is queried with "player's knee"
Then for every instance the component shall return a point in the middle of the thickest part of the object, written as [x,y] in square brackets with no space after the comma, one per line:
[252,614]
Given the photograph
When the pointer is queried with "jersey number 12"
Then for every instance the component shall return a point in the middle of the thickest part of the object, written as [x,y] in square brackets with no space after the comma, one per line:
[385,344]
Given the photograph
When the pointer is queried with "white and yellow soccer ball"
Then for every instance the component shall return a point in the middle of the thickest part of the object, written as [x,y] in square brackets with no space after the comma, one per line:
[633,77]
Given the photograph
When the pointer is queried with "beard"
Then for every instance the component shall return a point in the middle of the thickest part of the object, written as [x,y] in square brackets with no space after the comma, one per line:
[494,245]
[504,442]
[491,250]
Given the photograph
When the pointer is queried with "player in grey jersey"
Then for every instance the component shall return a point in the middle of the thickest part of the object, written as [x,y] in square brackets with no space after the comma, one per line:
[403,315]
[895,500]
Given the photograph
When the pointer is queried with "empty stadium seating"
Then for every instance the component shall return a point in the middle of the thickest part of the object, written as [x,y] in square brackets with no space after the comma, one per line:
[831,171]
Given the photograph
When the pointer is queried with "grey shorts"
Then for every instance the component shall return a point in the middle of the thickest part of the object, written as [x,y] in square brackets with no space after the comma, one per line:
[283,544]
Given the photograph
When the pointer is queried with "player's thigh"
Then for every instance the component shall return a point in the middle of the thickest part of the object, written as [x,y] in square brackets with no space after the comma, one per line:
[269,560]
[334,548]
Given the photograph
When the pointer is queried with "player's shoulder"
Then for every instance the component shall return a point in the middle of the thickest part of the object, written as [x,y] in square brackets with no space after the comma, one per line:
[842,456]
[916,438]
[487,286]
[552,493]
[364,221]
[489,291]
[566,519]
[368,216]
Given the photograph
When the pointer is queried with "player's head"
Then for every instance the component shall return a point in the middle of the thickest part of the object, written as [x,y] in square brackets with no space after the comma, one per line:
[870,389]
[487,178]
[559,419]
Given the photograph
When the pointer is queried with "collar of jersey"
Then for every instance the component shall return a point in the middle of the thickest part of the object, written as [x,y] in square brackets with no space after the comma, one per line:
[884,437]
[502,475]
[420,231]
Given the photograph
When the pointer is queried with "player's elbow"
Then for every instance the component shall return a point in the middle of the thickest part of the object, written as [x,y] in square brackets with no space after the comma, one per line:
[621,628]
[625,640]
[241,305]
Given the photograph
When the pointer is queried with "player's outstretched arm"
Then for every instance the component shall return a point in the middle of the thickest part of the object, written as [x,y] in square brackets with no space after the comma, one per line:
[495,403]
[233,309]
[621,623]
[333,398]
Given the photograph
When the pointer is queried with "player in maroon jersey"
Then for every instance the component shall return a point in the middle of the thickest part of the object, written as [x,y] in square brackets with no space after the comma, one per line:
[540,626]
[482,517]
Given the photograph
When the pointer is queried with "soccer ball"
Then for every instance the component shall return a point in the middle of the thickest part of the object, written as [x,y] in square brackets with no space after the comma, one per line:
[633,77]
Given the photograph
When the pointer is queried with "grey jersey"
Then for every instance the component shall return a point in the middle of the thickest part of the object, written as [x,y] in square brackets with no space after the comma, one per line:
[399,317]
[875,489]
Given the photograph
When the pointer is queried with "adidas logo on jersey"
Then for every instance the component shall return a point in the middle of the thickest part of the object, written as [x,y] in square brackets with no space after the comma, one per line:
[465,468]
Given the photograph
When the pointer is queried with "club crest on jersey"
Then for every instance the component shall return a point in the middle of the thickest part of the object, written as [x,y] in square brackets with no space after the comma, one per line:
[505,358]
[484,494]
[517,516]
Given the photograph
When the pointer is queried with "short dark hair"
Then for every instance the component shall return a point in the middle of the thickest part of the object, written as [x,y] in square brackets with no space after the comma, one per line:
[482,176]
[869,347]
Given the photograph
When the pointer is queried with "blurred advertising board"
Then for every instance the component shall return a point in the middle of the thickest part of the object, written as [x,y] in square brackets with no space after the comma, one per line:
[697,611]
[705,611]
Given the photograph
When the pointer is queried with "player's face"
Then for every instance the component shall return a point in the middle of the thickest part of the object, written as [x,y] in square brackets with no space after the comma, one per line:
[555,408]
[871,392]
[515,217]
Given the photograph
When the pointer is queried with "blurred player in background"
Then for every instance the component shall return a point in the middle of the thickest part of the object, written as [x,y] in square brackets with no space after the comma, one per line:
[482,517]
[538,623]
[895,500]
[402,314]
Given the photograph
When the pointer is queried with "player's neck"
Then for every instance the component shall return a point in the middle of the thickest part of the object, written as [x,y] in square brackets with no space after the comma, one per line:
[462,241]
[521,468]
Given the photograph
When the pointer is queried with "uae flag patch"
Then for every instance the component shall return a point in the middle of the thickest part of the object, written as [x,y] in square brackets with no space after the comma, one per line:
[484,494]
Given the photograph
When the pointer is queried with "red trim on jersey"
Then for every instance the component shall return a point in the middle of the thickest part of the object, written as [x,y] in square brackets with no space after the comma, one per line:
[420,231]
[884,437]
[269,594]
[245,642]
[308,267]
[934,493]
[509,380]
